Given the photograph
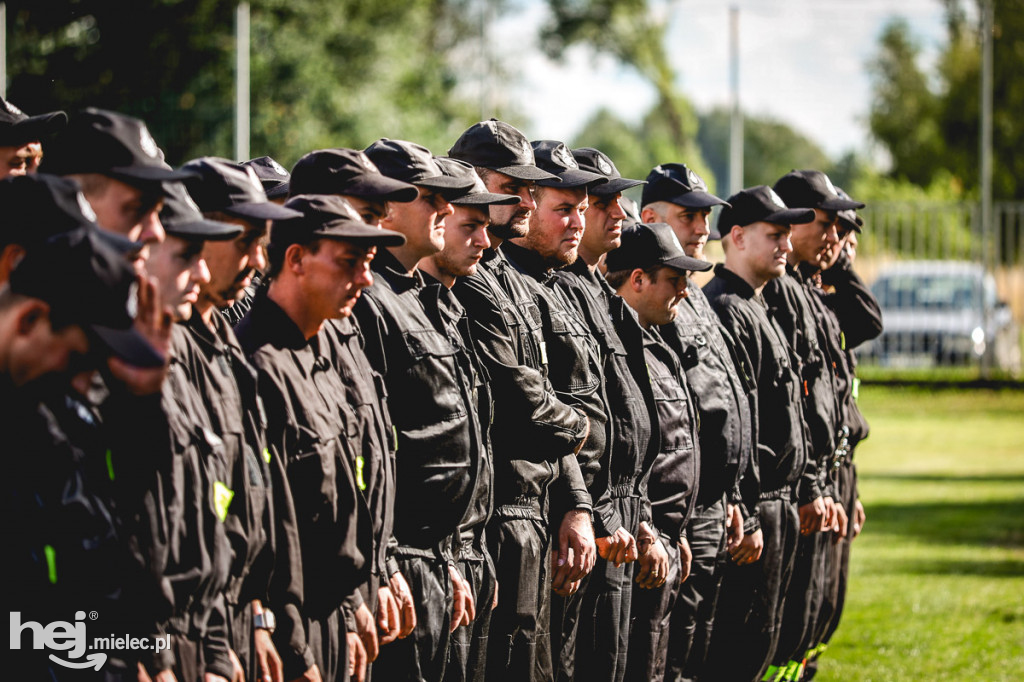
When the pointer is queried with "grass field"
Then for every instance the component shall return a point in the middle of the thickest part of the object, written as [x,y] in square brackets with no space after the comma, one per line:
[937,577]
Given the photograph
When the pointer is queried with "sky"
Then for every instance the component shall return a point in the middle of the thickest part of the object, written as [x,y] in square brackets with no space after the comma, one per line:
[801,61]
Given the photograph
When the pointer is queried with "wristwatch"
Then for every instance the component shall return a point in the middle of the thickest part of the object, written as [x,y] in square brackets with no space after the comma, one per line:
[265,621]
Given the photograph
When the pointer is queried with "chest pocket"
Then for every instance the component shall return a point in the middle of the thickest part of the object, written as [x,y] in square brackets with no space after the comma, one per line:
[573,355]
[312,474]
[674,413]
[430,393]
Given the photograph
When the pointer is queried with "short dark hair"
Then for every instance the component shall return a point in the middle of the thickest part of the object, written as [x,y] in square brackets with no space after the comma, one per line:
[275,254]
[619,277]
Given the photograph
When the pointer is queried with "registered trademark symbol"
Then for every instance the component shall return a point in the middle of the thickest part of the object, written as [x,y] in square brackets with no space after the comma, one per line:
[93,615]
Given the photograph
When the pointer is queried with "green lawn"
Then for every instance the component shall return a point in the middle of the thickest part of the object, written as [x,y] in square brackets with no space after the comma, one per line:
[937,577]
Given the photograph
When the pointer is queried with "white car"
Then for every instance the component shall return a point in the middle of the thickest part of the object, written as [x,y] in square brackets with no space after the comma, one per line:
[942,313]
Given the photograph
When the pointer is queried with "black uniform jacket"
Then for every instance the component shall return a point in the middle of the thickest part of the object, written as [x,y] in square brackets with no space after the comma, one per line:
[533,432]
[632,445]
[428,372]
[311,429]
[782,446]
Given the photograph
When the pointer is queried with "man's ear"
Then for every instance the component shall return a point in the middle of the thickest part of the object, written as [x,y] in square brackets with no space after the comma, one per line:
[636,280]
[737,235]
[647,215]
[9,259]
[293,257]
[31,313]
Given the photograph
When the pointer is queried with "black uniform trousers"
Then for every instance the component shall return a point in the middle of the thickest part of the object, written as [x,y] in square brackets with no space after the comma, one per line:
[650,623]
[752,598]
[467,648]
[694,614]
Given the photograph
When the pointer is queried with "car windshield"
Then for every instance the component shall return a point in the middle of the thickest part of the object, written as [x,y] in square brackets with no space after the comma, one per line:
[927,292]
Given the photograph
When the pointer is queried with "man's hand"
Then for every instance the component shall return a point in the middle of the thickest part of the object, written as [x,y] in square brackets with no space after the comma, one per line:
[366,628]
[749,549]
[154,322]
[267,658]
[494,602]
[685,560]
[311,675]
[162,676]
[618,548]
[463,607]
[830,514]
[388,621]
[812,515]
[859,517]
[733,525]
[652,562]
[237,671]
[842,525]
[356,657]
[406,607]
[576,552]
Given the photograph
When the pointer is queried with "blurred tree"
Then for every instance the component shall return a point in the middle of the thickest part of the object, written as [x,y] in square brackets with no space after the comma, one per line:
[632,33]
[930,122]
[323,73]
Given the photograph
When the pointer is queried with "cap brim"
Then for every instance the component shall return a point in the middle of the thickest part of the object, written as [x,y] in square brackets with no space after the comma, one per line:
[616,185]
[698,199]
[149,174]
[688,264]
[276,191]
[264,210]
[37,127]
[360,233]
[120,243]
[486,199]
[574,177]
[839,204]
[525,173]
[207,230]
[790,216]
[129,345]
[380,187]
[850,222]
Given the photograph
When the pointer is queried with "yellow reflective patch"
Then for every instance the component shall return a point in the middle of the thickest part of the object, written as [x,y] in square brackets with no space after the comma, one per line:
[222,496]
[266,455]
[360,464]
[51,563]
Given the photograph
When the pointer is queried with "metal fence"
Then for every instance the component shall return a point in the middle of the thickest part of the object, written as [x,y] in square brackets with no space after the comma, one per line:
[951,289]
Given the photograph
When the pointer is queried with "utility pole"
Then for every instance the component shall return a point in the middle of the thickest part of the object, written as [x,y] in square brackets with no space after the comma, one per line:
[242,82]
[736,120]
[985,152]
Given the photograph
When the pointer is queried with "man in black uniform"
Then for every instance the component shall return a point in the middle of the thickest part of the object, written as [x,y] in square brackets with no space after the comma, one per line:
[535,435]
[650,271]
[755,236]
[350,174]
[603,637]
[21,137]
[317,265]
[465,240]
[428,372]
[218,369]
[679,197]
[813,334]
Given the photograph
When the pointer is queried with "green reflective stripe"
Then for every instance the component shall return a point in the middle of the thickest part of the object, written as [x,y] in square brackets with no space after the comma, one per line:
[222,496]
[266,455]
[842,340]
[791,671]
[769,675]
[360,464]
[51,563]
[394,437]
[856,388]
[110,465]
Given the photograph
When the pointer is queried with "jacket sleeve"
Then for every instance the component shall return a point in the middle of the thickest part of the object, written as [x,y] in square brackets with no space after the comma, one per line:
[860,317]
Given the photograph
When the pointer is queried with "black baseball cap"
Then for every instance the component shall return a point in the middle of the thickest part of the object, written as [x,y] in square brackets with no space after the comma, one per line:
[17,128]
[109,143]
[413,163]
[220,185]
[272,175]
[499,147]
[812,189]
[648,244]
[38,206]
[327,216]
[182,218]
[89,283]
[680,185]
[760,204]
[848,216]
[347,171]
[478,194]
[555,158]
[596,161]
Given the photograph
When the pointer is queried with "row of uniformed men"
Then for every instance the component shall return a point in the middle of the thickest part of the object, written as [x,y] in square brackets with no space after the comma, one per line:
[433,391]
